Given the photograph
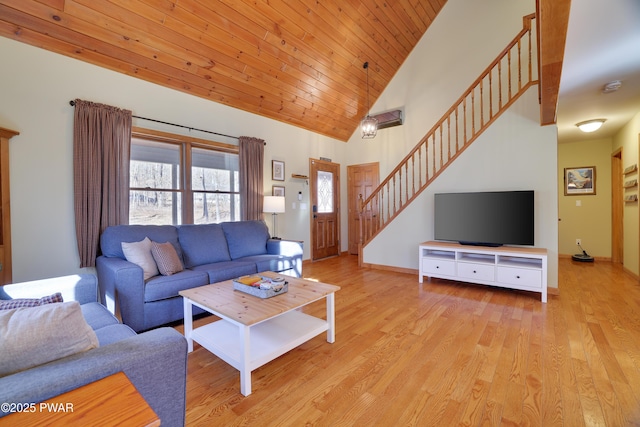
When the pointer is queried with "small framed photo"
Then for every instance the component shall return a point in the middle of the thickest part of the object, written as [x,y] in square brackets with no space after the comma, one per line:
[580,180]
[278,190]
[277,170]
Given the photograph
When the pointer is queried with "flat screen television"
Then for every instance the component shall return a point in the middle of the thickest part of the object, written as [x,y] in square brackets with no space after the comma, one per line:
[492,218]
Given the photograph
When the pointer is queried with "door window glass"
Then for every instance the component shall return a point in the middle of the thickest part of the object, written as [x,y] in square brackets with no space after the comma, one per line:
[325,192]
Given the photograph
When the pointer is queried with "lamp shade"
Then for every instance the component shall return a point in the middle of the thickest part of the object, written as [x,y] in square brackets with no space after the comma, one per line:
[273,204]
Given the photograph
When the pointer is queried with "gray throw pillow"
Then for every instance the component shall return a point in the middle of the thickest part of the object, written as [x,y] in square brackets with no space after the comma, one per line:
[139,253]
[166,258]
[36,335]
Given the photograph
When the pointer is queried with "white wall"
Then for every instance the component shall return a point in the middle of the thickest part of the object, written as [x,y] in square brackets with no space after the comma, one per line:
[35,93]
[515,153]
[461,43]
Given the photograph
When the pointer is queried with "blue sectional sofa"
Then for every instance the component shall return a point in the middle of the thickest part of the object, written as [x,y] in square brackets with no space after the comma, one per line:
[209,253]
[154,361]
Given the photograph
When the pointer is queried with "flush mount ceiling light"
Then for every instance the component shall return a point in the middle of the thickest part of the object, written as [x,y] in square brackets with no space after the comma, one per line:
[369,125]
[590,125]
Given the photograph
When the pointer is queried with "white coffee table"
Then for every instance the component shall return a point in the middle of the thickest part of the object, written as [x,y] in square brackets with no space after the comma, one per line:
[253,331]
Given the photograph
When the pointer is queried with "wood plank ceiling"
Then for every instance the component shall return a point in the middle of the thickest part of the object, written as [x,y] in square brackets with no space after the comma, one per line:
[296,61]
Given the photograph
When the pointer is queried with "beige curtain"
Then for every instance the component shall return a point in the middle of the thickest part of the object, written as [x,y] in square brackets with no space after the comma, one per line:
[101,146]
[251,159]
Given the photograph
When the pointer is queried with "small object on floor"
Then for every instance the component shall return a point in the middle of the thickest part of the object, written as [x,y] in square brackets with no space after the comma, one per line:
[583,257]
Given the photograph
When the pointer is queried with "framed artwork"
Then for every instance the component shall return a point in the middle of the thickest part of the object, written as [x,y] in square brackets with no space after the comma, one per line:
[277,170]
[278,190]
[580,180]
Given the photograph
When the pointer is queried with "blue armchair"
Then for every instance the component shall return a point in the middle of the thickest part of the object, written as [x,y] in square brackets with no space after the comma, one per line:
[155,361]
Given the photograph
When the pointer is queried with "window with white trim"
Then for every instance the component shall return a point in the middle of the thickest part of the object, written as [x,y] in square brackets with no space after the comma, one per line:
[181,180]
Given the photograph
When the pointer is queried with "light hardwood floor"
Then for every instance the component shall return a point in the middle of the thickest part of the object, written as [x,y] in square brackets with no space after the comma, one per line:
[444,353]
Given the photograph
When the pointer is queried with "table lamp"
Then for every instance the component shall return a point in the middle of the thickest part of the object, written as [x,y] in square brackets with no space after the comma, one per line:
[273,205]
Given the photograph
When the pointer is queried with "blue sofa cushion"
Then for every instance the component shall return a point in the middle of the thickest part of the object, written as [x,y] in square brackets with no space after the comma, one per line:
[203,244]
[112,238]
[163,287]
[246,238]
[221,271]
[96,315]
[113,333]
[271,262]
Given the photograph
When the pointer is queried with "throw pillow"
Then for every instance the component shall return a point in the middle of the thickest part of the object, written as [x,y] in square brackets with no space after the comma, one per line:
[202,244]
[246,238]
[166,258]
[30,302]
[139,253]
[36,335]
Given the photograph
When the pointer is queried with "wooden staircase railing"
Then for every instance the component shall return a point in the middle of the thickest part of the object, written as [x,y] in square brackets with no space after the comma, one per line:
[499,86]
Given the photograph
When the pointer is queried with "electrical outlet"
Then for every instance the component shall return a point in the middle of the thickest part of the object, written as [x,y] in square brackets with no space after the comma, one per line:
[578,242]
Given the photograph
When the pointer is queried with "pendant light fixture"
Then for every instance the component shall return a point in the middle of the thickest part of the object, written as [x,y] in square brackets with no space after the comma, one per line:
[369,125]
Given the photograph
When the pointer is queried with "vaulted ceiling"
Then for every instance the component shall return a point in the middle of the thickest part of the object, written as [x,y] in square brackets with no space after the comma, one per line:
[295,61]
[299,62]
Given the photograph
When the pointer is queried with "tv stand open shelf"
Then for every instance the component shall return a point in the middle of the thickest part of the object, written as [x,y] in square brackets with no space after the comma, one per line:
[506,267]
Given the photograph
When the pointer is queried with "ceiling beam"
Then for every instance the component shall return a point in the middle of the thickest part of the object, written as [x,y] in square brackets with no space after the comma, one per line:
[553,20]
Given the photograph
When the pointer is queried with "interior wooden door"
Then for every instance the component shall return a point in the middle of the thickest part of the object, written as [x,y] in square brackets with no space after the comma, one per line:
[362,180]
[324,183]
[6,275]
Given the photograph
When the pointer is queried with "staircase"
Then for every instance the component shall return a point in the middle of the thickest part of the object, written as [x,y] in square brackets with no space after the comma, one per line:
[508,77]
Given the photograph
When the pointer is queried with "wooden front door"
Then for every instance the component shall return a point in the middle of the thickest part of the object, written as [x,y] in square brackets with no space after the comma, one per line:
[362,180]
[324,182]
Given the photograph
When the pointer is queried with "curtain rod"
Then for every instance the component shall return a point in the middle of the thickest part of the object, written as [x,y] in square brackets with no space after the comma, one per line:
[73,103]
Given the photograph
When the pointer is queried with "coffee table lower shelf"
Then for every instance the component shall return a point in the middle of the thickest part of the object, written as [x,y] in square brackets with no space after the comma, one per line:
[253,331]
[267,340]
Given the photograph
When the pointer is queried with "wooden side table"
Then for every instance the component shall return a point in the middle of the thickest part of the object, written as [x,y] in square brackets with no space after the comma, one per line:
[111,401]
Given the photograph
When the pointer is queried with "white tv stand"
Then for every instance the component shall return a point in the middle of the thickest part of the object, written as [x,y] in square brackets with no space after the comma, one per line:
[506,267]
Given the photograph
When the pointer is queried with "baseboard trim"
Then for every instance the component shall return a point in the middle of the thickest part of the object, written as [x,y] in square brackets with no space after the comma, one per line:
[310,261]
[631,273]
[390,268]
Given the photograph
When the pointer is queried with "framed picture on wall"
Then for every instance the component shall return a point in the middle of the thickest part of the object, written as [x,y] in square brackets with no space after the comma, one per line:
[277,170]
[580,180]
[278,190]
